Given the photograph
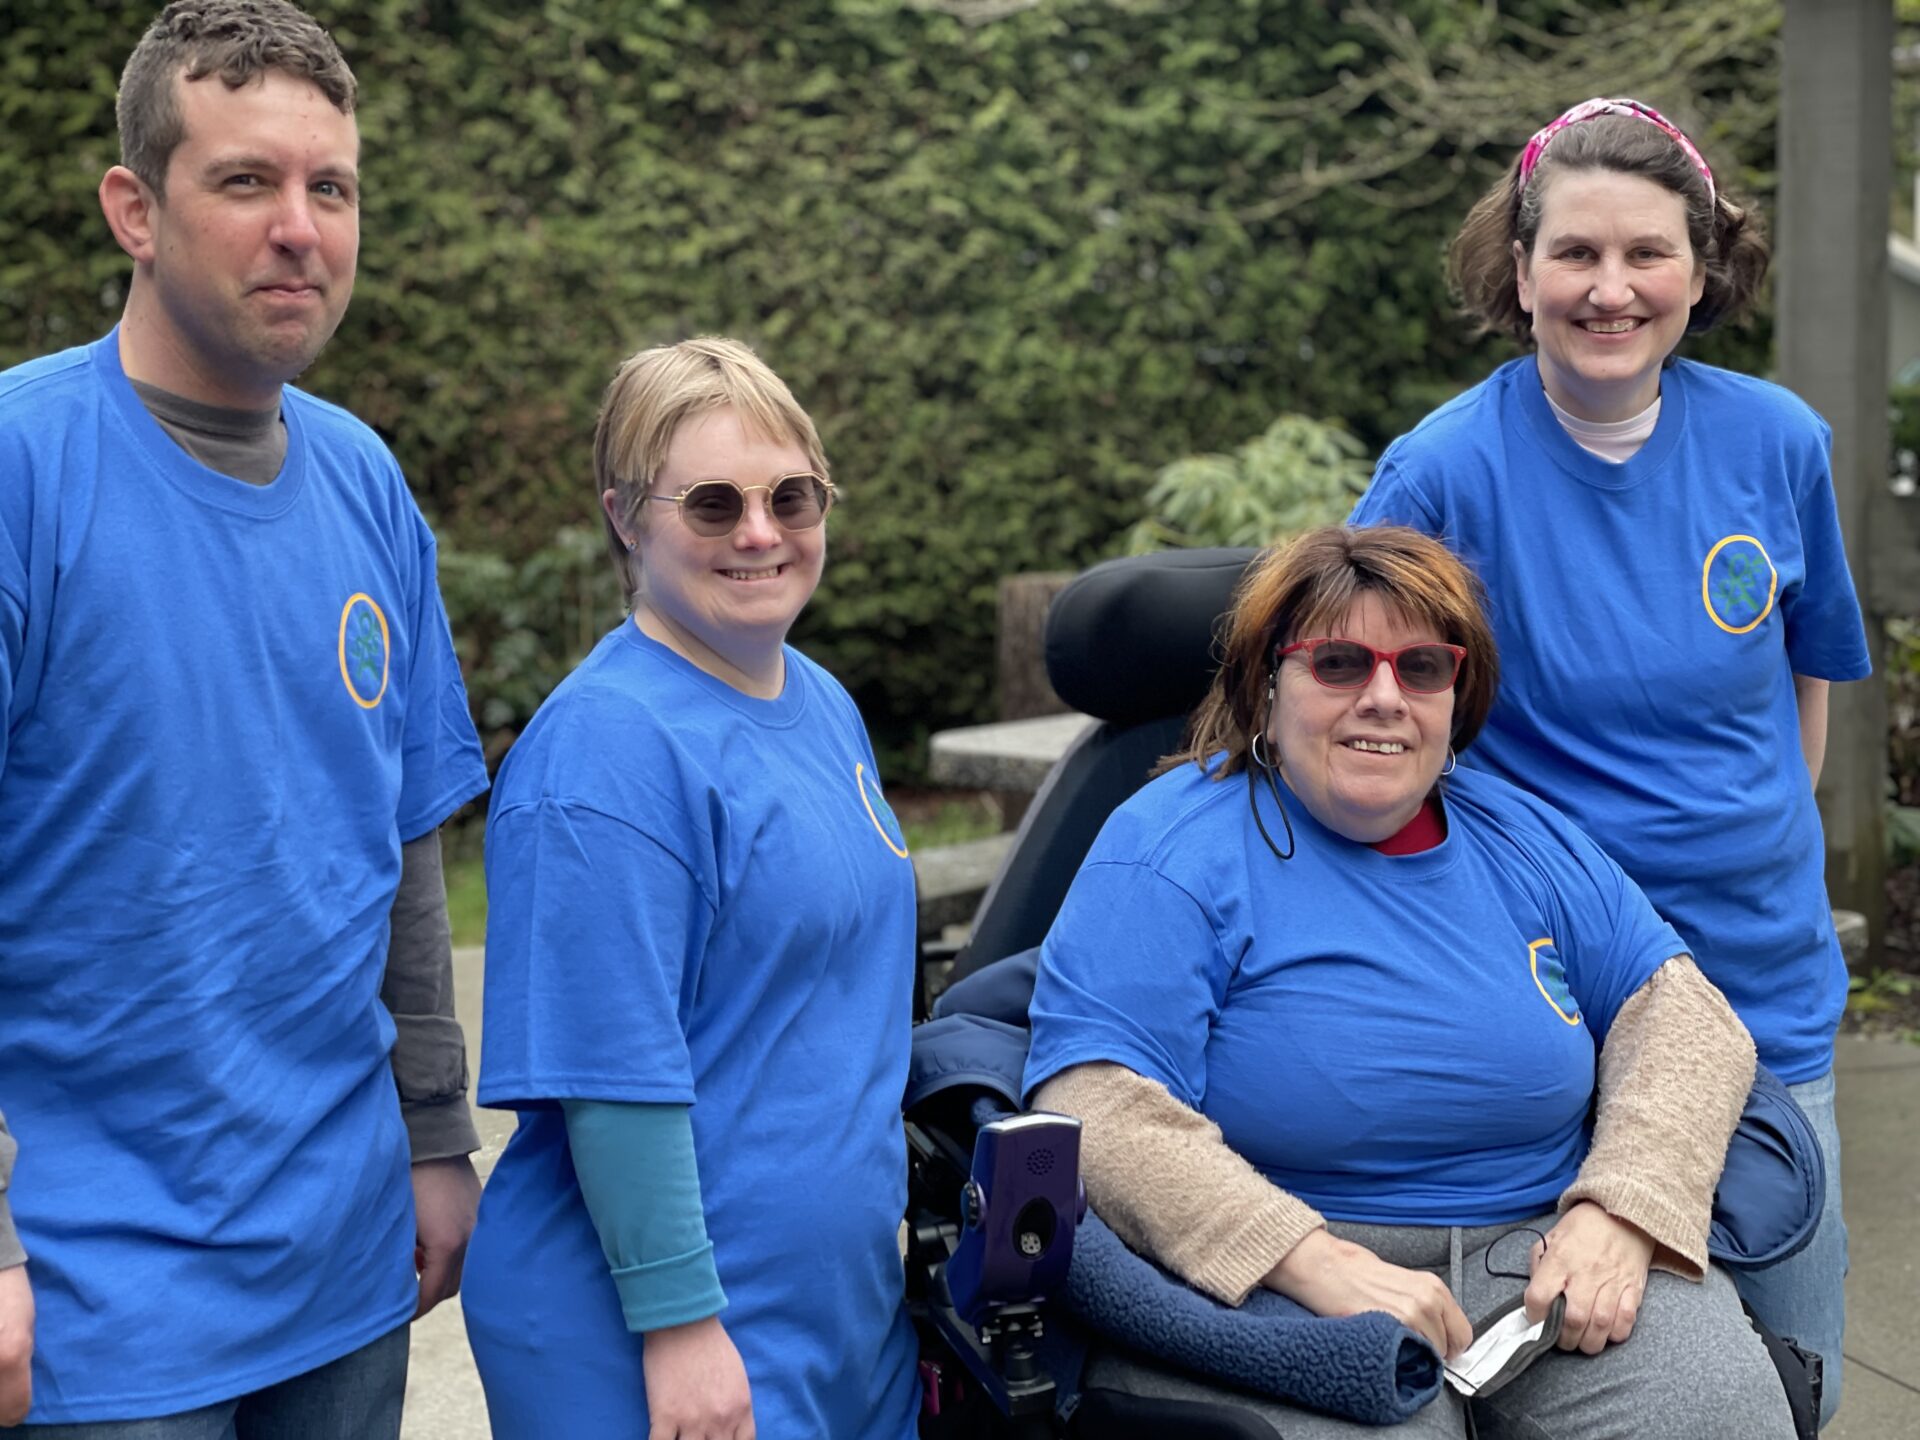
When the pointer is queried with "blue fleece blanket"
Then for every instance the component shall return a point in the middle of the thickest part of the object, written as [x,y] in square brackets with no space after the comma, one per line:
[1369,1368]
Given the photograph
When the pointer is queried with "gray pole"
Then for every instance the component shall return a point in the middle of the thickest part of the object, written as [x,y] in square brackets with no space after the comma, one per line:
[1836,177]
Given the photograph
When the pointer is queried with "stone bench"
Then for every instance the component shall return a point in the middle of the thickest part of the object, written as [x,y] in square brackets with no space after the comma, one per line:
[1851,928]
[1011,755]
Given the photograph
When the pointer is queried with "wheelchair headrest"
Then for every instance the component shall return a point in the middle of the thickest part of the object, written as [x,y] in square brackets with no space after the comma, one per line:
[1132,640]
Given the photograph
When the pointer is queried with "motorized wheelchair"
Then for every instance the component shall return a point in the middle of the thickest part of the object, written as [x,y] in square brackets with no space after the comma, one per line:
[1130,642]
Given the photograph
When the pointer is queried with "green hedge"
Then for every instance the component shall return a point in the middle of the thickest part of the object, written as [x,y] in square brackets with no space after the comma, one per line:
[1013,268]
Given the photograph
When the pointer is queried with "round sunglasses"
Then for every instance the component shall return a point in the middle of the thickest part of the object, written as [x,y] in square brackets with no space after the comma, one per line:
[714,507]
[1425,669]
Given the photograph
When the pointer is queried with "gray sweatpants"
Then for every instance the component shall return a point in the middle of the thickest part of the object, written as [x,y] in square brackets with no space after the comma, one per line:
[1693,1369]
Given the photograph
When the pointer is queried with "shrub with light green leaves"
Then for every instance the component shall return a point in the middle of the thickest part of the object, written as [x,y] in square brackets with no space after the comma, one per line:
[1299,474]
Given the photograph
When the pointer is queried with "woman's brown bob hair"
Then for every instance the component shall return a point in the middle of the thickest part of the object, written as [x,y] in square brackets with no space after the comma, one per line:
[1307,587]
[1727,238]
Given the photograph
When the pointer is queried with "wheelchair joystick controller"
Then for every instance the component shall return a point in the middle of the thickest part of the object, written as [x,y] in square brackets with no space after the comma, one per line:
[1017,1213]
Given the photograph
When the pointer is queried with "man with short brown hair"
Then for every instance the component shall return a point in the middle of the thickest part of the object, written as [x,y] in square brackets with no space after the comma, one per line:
[233,723]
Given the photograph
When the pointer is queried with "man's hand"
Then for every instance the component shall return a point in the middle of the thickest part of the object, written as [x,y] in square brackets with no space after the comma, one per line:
[1601,1262]
[16,1345]
[1338,1277]
[446,1197]
[696,1384]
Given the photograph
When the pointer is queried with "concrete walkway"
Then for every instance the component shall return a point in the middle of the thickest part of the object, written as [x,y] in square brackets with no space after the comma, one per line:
[1879,1089]
[443,1390]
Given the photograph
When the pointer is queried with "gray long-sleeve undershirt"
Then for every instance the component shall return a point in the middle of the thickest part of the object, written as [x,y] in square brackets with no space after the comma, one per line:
[429,1047]
[10,1252]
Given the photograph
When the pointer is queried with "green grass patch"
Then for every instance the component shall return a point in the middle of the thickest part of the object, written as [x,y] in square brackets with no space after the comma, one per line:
[951,823]
[467,901]
[1879,993]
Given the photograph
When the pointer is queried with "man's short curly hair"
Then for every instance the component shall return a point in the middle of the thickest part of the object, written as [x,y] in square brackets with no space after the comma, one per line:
[233,39]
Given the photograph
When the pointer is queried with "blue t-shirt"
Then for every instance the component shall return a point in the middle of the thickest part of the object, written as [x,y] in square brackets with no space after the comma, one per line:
[1651,617]
[698,896]
[1395,1039]
[227,707]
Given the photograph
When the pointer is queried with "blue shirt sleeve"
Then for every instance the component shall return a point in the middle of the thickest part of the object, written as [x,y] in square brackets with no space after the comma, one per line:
[17,545]
[595,933]
[1131,972]
[13,643]
[441,765]
[1614,939]
[1826,638]
[1394,499]
[641,1184]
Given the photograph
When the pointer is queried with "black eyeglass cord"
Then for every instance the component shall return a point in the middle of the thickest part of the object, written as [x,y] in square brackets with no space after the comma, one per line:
[1253,801]
[1486,1257]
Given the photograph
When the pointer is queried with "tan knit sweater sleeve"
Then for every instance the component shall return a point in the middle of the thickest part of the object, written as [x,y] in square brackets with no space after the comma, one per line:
[1673,1079]
[1674,1076]
[1164,1178]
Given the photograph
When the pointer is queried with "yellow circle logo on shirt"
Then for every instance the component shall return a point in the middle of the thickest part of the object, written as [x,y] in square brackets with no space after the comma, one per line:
[1550,977]
[879,811]
[366,650]
[1737,584]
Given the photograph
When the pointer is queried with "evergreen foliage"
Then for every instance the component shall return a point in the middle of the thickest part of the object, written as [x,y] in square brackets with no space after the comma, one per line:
[1015,258]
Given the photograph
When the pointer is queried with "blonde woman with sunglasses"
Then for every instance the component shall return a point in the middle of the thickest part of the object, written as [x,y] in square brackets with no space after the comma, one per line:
[699,971]
[1333,1015]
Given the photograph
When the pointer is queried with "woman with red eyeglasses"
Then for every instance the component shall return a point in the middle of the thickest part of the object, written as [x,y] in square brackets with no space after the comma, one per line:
[1333,1012]
[700,950]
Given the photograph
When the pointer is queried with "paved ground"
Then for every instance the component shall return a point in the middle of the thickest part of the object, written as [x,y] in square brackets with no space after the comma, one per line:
[443,1391]
[1879,1083]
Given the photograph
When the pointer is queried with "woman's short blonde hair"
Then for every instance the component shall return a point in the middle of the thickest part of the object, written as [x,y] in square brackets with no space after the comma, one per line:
[1306,587]
[658,390]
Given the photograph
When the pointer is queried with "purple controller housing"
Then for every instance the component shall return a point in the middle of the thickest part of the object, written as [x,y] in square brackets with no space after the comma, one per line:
[1018,1213]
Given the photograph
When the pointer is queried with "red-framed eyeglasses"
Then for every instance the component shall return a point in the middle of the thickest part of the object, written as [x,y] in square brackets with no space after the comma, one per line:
[1424,669]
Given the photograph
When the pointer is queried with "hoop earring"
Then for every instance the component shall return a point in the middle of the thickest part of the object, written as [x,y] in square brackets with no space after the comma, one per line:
[1266,768]
[1453,763]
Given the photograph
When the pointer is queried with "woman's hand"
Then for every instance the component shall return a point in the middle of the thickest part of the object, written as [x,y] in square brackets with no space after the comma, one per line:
[1337,1277]
[1600,1261]
[696,1385]
[16,1345]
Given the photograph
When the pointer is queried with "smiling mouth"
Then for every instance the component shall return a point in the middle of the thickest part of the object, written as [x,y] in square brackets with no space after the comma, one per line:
[1377,747]
[749,577]
[1609,327]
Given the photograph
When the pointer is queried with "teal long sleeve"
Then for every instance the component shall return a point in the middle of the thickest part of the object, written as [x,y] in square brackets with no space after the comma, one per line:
[641,1182]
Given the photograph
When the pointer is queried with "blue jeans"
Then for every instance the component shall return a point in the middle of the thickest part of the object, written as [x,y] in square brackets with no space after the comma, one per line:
[356,1397]
[1805,1298]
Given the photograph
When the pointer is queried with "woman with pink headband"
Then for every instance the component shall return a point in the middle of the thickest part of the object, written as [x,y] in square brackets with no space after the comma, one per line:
[1669,590]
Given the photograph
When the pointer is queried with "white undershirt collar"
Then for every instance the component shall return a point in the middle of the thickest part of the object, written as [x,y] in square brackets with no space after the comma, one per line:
[1615,441]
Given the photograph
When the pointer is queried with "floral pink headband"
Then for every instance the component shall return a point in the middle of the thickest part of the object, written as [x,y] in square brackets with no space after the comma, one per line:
[1592,110]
